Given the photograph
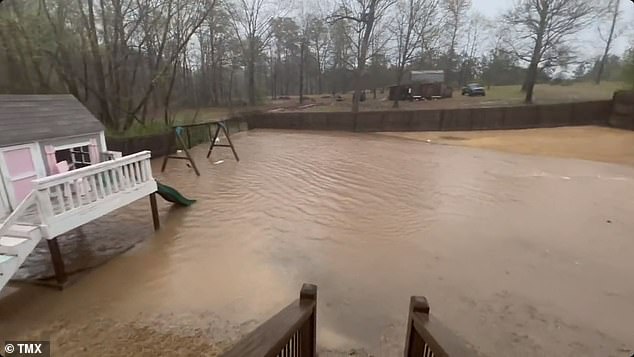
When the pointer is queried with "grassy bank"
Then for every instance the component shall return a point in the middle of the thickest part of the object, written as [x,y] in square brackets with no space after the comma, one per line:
[182,117]
[496,96]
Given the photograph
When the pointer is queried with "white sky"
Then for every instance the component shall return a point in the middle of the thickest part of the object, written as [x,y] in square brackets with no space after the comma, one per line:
[589,40]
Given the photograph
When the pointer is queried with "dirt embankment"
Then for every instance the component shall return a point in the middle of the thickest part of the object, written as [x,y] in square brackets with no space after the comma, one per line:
[586,143]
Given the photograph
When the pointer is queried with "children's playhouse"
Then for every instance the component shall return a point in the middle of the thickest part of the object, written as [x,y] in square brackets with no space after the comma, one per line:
[56,174]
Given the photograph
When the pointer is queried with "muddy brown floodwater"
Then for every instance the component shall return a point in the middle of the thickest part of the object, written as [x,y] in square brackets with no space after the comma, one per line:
[520,255]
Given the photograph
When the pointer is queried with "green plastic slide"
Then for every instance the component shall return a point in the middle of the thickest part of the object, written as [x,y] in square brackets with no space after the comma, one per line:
[171,195]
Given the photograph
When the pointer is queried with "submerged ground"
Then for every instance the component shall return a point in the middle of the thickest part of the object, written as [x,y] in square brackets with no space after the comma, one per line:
[521,255]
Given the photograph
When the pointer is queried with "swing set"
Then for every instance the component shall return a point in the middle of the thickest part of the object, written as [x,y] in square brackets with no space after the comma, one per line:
[182,136]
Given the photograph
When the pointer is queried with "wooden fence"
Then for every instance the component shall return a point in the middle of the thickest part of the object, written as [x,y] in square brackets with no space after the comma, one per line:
[623,110]
[512,117]
[426,337]
[290,333]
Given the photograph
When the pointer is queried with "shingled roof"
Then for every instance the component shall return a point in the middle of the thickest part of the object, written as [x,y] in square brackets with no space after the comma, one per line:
[28,118]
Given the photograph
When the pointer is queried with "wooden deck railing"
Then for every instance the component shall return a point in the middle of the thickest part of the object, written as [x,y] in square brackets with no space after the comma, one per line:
[64,200]
[290,333]
[427,337]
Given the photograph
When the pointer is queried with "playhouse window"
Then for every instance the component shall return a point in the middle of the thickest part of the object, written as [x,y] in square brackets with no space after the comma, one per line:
[76,157]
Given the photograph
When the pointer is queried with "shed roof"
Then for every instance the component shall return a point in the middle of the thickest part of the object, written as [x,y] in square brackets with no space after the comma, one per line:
[28,118]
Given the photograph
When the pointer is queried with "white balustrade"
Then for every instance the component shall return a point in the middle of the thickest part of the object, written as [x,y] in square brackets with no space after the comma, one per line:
[72,198]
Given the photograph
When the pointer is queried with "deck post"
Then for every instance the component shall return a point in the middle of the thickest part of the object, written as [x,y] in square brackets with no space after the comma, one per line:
[155,215]
[308,334]
[413,345]
[58,262]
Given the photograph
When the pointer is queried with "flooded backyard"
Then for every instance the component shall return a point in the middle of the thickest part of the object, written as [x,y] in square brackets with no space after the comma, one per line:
[521,255]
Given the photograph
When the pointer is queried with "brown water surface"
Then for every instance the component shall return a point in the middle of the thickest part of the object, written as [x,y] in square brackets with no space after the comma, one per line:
[520,255]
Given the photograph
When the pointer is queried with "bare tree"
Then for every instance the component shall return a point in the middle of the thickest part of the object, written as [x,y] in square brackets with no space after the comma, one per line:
[430,29]
[541,30]
[318,41]
[455,16]
[411,18]
[470,53]
[612,10]
[252,20]
[130,52]
[364,14]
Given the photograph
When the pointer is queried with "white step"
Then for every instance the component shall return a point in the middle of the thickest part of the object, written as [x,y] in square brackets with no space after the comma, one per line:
[8,265]
[24,231]
[14,245]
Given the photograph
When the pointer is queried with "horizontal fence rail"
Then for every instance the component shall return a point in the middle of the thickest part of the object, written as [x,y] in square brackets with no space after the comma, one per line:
[427,337]
[290,333]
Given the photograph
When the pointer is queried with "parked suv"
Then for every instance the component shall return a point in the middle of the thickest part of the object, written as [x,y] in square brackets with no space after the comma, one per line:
[473,90]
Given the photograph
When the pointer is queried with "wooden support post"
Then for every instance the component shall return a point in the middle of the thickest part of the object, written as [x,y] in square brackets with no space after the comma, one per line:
[189,157]
[213,144]
[155,215]
[308,333]
[235,154]
[170,147]
[58,262]
[209,131]
[213,140]
[413,344]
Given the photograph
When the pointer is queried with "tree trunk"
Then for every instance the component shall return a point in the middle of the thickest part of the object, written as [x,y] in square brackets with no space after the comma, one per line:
[35,61]
[168,95]
[361,58]
[604,59]
[399,78]
[356,97]
[301,72]
[98,66]
[319,84]
[231,86]
[531,75]
[14,73]
[251,71]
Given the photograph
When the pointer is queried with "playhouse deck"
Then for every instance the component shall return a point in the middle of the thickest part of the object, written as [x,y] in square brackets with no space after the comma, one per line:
[60,203]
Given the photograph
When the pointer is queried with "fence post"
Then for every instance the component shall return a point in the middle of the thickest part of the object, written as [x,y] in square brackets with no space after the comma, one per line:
[308,295]
[414,347]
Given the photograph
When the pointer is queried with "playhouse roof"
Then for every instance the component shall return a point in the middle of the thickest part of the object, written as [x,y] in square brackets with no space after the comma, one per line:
[28,118]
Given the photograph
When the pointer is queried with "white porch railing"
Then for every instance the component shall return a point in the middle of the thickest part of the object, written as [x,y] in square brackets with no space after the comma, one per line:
[71,199]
